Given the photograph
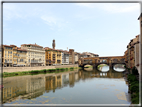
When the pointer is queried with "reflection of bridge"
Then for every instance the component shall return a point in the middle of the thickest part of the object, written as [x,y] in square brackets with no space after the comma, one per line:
[95,61]
[99,74]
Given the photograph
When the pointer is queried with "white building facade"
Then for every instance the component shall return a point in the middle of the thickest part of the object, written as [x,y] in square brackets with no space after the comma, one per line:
[65,57]
[35,54]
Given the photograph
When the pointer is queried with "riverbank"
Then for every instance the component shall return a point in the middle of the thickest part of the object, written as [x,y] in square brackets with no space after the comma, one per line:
[34,72]
[133,88]
[20,69]
[100,66]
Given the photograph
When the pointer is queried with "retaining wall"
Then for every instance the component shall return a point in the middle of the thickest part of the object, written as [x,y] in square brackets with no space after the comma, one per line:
[18,69]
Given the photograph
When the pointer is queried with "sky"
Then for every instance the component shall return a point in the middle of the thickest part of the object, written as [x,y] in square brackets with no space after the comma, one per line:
[101,28]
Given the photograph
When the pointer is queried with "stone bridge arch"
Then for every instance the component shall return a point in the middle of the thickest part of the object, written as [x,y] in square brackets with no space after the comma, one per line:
[95,61]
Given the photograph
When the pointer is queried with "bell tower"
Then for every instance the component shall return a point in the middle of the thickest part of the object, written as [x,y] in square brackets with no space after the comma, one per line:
[53,44]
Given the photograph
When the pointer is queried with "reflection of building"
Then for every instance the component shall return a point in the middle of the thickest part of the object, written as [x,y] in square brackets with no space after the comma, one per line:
[53,82]
[25,87]
[35,87]
[71,79]
[76,76]
[35,54]
[65,79]
[13,89]
[34,84]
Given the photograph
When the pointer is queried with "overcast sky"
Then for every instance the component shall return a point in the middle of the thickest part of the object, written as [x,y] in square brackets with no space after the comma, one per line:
[101,28]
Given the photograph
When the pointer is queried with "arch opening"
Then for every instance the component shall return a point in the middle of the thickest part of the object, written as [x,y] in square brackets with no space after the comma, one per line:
[103,67]
[88,67]
[119,67]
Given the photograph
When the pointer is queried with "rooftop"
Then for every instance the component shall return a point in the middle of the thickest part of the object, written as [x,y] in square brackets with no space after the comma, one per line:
[32,45]
[140,16]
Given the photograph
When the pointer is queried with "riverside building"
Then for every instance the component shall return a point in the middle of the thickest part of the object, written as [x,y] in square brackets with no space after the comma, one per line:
[65,57]
[71,56]
[132,53]
[53,56]
[7,56]
[19,56]
[35,54]
[140,40]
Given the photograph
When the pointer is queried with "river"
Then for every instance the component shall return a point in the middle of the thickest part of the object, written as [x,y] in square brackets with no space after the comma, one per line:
[73,87]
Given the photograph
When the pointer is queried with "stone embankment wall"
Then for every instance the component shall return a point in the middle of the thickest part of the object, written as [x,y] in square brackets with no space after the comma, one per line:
[18,69]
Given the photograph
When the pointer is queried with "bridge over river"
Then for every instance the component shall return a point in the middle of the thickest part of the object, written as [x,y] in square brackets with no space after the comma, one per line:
[95,61]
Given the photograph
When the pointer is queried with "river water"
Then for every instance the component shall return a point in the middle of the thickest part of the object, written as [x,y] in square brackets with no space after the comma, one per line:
[86,86]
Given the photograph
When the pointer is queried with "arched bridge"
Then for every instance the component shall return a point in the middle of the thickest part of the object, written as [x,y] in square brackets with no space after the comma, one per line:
[95,61]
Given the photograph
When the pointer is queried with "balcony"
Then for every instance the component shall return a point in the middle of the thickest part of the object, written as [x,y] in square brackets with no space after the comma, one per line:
[36,62]
[131,58]
[8,61]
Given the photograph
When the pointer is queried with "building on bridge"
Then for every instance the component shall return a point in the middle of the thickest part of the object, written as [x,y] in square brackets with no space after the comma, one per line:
[88,54]
[95,61]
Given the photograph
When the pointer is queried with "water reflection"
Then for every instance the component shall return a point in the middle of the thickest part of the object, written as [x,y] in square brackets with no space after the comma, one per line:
[119,67]
[29,87]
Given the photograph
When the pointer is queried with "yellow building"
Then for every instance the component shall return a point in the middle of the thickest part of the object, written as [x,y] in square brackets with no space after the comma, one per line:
[59,57]
[7,56]
[52,56]
[19,56]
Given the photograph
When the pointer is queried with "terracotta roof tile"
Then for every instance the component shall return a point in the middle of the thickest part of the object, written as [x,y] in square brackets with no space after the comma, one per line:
[32,45]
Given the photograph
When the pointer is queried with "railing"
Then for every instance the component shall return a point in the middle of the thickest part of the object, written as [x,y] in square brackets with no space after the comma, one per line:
[36,62]
[8,61]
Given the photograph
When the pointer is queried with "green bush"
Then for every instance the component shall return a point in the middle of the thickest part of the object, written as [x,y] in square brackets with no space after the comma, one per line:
[134,87]
[57,68]
[71,67]
[135,71]
[131,78]
[135,100]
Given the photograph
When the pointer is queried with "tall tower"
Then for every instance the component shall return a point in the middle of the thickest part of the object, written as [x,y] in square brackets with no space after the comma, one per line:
[53,44]
[71,51]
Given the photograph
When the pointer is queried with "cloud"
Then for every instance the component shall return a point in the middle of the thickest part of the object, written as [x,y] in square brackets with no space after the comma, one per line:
[113,7]
[20,11]
[49,20]
[54,22]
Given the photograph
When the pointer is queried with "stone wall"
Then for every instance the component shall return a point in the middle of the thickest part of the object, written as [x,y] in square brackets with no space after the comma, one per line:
[20,69]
